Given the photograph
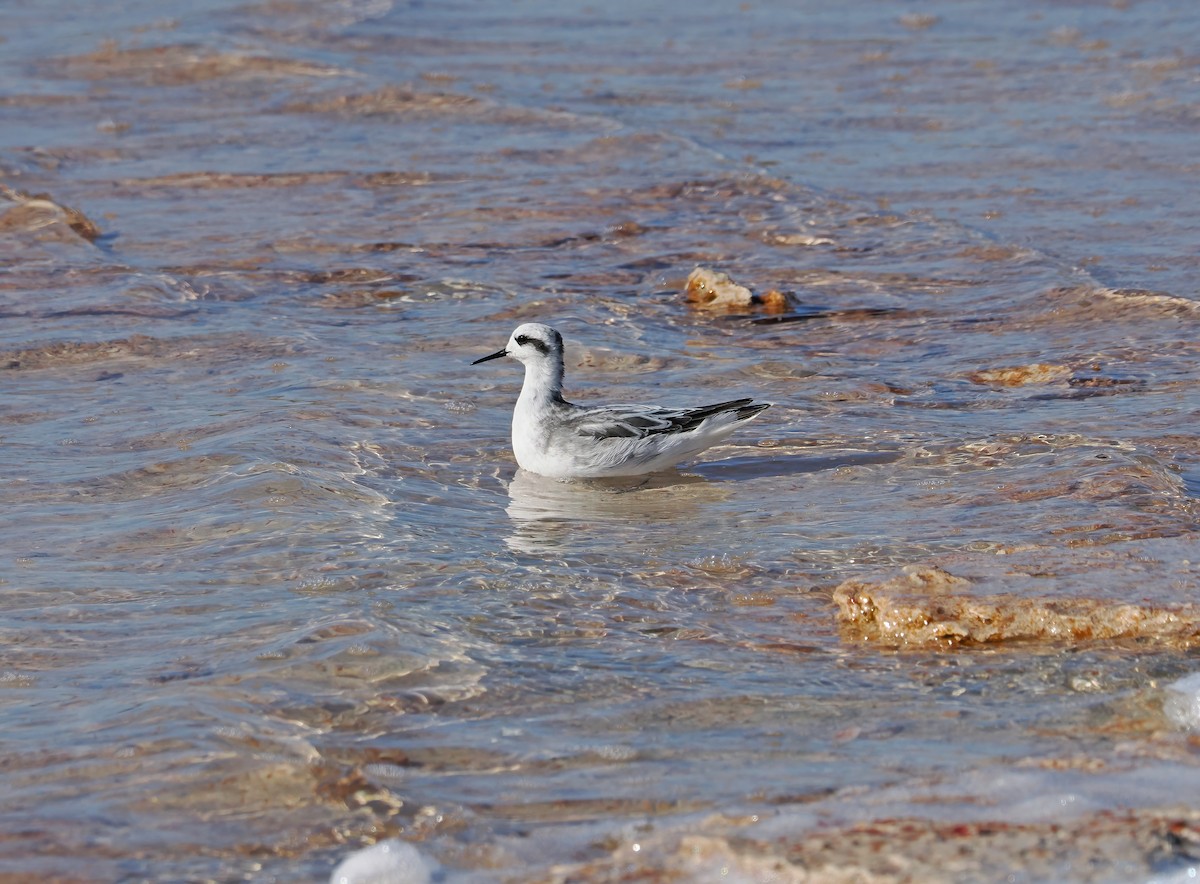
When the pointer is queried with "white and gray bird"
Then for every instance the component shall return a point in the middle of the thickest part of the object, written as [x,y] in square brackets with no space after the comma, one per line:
[552,437]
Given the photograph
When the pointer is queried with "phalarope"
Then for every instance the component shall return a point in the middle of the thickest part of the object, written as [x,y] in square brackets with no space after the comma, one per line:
[555,438]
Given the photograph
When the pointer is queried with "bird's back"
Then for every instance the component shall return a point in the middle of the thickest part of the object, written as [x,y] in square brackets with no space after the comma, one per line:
[565,440]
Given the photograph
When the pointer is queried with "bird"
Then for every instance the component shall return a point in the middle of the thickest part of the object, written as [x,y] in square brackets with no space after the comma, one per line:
[558,439]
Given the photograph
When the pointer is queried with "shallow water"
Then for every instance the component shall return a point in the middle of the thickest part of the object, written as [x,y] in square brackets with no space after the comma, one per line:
[272,588]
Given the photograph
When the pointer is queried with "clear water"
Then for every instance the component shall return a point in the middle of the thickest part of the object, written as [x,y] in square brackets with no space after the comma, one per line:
[270,585]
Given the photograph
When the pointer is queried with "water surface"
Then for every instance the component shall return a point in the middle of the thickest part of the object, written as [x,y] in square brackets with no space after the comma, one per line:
[271,588]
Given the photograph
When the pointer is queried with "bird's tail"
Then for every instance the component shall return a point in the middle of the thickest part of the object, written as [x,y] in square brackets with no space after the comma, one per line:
[745,412]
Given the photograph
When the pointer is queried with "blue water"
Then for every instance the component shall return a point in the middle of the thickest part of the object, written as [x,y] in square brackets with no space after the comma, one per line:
[271,588]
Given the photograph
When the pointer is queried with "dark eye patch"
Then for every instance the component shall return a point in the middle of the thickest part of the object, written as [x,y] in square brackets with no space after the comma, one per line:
[536,343]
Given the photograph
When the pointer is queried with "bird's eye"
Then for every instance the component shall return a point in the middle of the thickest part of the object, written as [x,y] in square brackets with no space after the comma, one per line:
[522,340]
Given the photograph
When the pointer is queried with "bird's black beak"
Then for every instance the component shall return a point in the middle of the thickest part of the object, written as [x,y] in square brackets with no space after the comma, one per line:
[495,355]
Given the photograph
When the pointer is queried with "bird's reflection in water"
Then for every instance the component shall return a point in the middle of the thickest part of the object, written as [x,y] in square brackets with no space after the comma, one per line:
[550,514]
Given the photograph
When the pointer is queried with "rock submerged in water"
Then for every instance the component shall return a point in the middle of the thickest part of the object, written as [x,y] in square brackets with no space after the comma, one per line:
[1020,375]
[711,289]
[928,606]
[33,213]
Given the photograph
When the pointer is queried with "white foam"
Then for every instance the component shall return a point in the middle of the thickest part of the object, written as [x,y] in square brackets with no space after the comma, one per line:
[388,862]
[1182,703]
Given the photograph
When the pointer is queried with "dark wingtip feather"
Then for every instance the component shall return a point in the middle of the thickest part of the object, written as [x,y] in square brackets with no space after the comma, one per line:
[745,412]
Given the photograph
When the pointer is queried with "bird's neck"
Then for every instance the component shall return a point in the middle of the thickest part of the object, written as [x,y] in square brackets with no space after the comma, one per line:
[543,383]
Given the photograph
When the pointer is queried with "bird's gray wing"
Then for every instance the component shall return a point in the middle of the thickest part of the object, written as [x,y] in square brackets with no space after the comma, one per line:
[640,421]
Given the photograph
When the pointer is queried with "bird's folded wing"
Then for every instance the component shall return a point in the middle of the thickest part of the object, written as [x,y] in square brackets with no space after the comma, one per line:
[639,421]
